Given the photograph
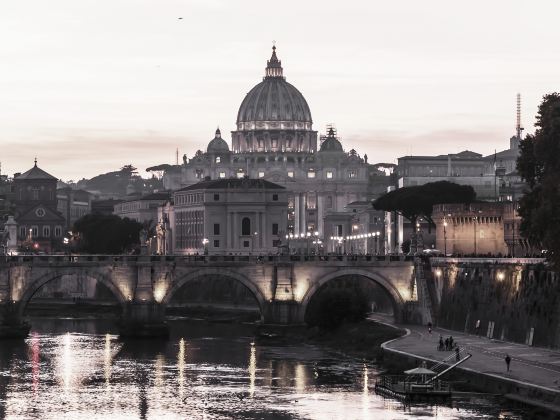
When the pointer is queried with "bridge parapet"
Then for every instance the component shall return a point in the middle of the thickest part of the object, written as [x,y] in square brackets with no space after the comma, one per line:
[282,285]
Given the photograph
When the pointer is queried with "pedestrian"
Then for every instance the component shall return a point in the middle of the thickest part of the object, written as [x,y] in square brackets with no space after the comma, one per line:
[440,347]
[450,343]
[457,355]
[430,327]
[446,343]
[508,361]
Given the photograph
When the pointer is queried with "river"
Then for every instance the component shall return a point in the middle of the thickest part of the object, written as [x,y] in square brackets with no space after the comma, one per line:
[79,369]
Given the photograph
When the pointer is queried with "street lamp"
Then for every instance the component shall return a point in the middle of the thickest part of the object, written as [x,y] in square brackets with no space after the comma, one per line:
[445,238]
[205,244]
[255,234]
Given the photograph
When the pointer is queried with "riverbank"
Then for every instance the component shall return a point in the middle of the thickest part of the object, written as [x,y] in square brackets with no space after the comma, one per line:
[532,380]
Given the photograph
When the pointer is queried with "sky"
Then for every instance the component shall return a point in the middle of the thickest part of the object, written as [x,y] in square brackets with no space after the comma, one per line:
[87,86]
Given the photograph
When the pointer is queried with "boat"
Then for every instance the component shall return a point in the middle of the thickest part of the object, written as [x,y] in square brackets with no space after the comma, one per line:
[421,383]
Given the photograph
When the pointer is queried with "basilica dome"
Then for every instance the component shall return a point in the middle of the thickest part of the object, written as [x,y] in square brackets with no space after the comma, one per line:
[331,143]
[274,103]
[217,144]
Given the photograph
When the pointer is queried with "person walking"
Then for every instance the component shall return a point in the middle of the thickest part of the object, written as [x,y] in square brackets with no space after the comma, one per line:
[440,346]
[457,355]
[446,343]
[430,327]
[450,343]
[508,361]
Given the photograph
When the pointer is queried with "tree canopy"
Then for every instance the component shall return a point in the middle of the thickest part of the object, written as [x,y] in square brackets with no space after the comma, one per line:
[539,165]
[106,234]
[416,201]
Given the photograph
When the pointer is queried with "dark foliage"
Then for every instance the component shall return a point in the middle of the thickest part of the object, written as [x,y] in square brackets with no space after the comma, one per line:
[331,307]
[416,201]
[539,165]
[106,234]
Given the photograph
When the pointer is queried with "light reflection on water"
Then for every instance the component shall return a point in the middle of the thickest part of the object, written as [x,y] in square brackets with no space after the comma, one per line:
[203,371]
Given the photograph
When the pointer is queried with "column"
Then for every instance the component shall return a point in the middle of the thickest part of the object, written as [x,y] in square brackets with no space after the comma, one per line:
[296,213]
[302,221]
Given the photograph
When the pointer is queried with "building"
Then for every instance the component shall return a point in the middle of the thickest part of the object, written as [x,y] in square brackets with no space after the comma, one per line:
[73,204]
[230,216]
[143,209]
[357,230]
[274,140]
[40,224]
[465,229]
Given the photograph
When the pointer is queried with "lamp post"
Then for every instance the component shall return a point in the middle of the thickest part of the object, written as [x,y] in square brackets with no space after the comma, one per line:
[316,242]
[255,234]
[445,238]
[205,244]
[377,235]
[474,226]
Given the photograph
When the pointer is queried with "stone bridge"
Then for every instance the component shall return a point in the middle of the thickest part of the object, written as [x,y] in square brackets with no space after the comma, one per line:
[282,285]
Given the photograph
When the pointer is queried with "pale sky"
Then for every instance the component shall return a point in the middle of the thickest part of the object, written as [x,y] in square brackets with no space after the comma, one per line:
[90,85]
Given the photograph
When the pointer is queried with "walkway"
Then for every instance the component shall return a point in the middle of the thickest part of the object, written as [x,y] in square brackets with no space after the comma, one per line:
[533,366]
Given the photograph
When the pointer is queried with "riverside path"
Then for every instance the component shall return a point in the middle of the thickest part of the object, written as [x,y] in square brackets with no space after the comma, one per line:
[534,376]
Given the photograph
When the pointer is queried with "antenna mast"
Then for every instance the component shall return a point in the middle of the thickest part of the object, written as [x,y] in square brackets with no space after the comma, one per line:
[177,156]
[518,127]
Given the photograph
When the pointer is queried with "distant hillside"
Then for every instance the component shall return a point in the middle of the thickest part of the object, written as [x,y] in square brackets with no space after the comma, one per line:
[120,183]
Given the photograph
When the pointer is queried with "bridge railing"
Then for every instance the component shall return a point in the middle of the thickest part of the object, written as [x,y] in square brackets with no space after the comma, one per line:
[81,258]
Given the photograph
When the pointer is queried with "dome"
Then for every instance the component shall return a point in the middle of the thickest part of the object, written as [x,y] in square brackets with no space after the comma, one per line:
[331,143]
[217,144]
[274,101]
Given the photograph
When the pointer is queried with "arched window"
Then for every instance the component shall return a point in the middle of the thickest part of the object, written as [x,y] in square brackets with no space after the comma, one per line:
[246,226]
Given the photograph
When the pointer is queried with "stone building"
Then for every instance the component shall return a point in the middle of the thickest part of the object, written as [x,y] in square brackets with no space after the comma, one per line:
[465,229]
[40,224]
[73,204]
[357,230]
[143,209]
[229,216]
[274,140]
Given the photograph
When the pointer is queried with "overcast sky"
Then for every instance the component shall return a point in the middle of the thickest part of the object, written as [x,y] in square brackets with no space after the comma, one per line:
[90,85]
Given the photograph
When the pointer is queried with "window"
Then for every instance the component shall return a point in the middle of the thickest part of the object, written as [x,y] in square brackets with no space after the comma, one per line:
[338,230]
[329,174]
[261,174]
[246,226]
[311,173]
[216,197]
[222,175]
[34,194]
[216,243]
[46,231]
[240,173]
[58,231]
[275,228]
[275,143]
[34,231]
[290,174]
[218,159]
[245,244]
[22,231]
[329,202]
[352,174]
[216,228]
[274,197]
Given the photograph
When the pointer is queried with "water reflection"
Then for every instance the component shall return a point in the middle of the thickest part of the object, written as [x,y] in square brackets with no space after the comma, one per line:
[252,370]
[76,375]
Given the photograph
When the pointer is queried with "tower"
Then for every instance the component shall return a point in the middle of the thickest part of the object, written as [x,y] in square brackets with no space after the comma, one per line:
[514,141]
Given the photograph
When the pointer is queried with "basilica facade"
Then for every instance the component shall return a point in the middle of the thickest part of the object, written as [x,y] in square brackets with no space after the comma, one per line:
[275,141]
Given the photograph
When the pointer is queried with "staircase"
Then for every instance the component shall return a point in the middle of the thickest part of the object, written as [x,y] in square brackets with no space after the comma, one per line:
[423,293]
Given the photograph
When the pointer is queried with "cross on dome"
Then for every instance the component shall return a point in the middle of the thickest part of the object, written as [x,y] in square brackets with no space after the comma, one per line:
[274,66]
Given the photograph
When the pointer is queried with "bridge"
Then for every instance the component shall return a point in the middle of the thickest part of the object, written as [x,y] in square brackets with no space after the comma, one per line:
[283,286]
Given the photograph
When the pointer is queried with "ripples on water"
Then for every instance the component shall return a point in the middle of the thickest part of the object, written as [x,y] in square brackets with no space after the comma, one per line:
[70,369]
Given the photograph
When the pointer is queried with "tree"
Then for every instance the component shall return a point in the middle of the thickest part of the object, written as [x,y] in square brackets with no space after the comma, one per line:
[418,201]
[539,165]
[106,234]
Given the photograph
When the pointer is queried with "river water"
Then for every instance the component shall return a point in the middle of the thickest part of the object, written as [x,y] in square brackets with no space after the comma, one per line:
[79,369]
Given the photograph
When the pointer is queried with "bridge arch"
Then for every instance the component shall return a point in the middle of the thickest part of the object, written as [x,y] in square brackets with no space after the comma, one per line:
[396,298]
[216,271]
[37,284]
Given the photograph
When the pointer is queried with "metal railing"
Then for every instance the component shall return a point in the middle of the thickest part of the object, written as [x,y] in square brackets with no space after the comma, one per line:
[410,384]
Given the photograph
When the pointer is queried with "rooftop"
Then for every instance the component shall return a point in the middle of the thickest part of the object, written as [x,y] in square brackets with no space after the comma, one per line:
[230,183]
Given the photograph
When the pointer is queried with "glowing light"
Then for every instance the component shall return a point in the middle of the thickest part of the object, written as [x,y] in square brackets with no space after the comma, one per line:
[438,272]
[159,292]
[107,360]
[500,276]
[252,370]
[181,366]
